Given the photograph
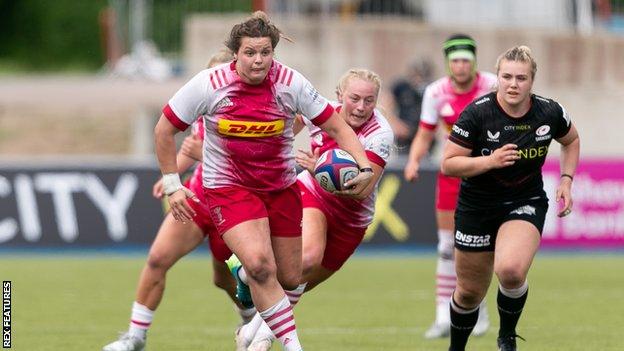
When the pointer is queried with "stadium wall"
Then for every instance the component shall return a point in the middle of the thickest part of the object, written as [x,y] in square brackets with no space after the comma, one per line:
[97,206]
[584,73]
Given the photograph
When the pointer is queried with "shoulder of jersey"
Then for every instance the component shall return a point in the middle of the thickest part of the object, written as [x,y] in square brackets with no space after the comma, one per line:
[437,86]
[219,76]
[485,100]
[283,74]
[382,120]
[546,103]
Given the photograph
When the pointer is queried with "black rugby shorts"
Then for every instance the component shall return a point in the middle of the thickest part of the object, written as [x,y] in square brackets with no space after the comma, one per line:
[476,230]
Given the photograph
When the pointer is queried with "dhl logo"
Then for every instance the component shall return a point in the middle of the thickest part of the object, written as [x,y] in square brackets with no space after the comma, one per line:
[250,129]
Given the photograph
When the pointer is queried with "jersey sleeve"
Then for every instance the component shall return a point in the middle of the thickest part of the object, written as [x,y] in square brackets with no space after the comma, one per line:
[428,113]
[563,122]
[464,131]
[378,146]
[189,102]
[310,103]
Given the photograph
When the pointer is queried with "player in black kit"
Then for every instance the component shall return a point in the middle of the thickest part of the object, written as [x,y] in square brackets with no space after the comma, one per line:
[498,147]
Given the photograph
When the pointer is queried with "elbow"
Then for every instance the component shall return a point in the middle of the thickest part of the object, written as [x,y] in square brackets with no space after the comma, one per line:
[444,169]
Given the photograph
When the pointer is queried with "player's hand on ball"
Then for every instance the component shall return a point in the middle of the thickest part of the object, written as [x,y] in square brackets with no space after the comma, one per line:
[180,209]
[356,185]
[504,156]
[307,159]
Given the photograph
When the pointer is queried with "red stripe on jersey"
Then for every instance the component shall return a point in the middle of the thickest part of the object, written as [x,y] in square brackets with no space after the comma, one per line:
[212,81]
[171,116]
[286,70]
[427,125]
[278,74]
[289,78]
[371,130]
[224,77]
[323,116]
[376,159]
[219,79]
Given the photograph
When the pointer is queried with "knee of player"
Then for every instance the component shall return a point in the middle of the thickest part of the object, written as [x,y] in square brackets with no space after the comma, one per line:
[469,296]
[311,260]
[159,260]
[260,269]
[510,276]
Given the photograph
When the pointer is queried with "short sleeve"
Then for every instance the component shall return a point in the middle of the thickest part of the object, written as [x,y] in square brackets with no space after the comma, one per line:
[310,103]
[189,102]
[563,123]
[428,113]
[464,131]
[378,147]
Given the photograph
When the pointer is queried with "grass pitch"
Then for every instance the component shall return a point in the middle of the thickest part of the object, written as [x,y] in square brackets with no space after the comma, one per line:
[78,302]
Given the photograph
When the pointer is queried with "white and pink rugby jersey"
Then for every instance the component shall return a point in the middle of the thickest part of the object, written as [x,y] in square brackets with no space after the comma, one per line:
[441,102]
[377,138]
[248,128]
[197,128]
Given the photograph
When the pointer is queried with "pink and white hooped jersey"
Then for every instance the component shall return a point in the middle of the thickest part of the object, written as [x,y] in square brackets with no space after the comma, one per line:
[441,102]
[377,138]
[248,128]
[197,129]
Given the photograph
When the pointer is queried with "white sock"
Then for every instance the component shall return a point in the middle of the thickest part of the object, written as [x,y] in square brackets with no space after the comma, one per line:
[140,320]
[281,320]
[295,294]
[249,330]
[246,314]
[515,293]
[446,279]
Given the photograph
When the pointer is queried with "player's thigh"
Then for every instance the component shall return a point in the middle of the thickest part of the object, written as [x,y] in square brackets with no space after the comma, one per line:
[474,273]
[517,242]
[314,236]
[250,241]
[174,240]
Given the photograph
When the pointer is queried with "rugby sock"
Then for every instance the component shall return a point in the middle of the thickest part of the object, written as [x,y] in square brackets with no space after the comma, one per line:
[248,331]
[246,314]
[510,305]
[446,279]
[281,320]
[462,322]
[140,320]
[295,294]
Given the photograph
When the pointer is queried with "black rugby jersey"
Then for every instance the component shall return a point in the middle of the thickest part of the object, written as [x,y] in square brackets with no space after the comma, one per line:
[483,127]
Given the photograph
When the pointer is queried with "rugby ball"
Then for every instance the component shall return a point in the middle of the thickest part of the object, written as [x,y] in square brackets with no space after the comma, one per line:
[334,168]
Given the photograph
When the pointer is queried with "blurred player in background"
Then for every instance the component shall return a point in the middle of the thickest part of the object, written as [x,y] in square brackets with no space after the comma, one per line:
[407,95]
[175,239]
[249,177]
[498,146]
[334,225]
[444,100]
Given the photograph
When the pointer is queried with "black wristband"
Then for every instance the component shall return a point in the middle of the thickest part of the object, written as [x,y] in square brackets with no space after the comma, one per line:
[366,169]
[567,175]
